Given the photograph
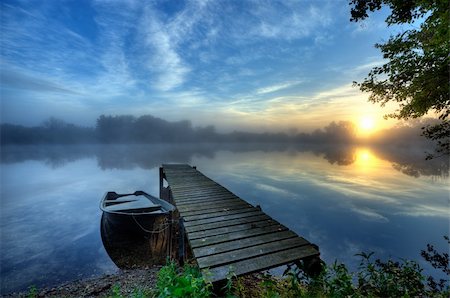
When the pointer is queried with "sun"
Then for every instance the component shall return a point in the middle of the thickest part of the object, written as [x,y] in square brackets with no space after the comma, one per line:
[366,124]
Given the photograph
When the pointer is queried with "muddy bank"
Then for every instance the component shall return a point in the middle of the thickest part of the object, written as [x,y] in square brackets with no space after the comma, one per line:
[127,281]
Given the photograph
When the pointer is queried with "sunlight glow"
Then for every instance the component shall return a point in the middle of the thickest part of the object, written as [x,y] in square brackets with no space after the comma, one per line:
[365,159]
[366,123]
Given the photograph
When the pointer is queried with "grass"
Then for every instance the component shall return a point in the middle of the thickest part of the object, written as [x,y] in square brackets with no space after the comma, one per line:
[374,278]
[188,282]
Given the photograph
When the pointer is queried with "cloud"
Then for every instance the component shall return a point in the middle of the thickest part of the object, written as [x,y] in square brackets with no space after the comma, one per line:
[277,87]
[291,20]
[166,37]
[369,214]
[22,81]
[366,67]
[165,61]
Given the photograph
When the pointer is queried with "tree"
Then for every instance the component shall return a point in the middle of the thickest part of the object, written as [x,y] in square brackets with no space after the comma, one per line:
[417,72]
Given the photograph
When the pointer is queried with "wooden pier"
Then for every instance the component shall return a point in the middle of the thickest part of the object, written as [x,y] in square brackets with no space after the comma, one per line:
[225,232]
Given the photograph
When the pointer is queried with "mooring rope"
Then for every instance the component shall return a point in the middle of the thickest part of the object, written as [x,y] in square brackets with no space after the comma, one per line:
[162,226]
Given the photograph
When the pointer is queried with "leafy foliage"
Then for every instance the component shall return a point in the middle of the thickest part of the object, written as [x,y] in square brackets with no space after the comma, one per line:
[416,74]
[32,292]
[438,261]
[374,278]
[188,282]
[390,278]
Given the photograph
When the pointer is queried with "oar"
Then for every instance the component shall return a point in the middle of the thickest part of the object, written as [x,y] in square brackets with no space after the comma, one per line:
[114,196]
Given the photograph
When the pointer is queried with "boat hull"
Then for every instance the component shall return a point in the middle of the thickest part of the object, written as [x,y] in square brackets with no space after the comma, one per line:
[129,248]
[136,223]
[137,213]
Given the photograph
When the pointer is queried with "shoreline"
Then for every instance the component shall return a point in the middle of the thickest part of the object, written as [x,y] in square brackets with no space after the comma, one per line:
[127,281]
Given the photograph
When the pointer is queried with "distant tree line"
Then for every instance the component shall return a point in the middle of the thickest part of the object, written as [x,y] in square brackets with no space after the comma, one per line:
[51,131]
[149,129]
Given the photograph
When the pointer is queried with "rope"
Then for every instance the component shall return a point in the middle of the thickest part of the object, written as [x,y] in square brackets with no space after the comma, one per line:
[164,226]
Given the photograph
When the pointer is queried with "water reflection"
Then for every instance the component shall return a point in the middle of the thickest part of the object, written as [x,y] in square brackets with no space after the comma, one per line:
[134,250]
[409,161]
[346,199]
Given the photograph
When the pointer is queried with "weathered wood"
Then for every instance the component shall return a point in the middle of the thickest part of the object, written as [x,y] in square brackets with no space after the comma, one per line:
[189,196]
[193,207]
[188,184]
[223,218]
[205,238]
[210,201]
[260,263]
[227,223]
[239,244]
[188,218]
[203,208]
[223,230]
[194,185]
[211,192]
[249,252]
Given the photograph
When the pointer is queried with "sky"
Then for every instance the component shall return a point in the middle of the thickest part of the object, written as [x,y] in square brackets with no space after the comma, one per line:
[247,65]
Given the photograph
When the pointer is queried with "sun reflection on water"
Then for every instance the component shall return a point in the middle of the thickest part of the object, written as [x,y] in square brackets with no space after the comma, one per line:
[365,159]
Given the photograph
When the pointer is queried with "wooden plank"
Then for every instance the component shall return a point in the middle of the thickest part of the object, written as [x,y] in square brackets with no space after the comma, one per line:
[193,184]
[200,190]
[194,207]
[183,171]
[260,263]
[215,191]
[223,218]
[193,196]
[260,222]
[203,197]
[188,201]
[187,179]
[249,252]
[199,240]
[202,208]
[194,187]
[206,201]
[227,223]
[239,244]
[189,185]
[178,169]
[188,218]
[188,175]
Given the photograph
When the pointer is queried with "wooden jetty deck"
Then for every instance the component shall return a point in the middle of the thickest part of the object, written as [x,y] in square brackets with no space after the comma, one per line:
[224,231]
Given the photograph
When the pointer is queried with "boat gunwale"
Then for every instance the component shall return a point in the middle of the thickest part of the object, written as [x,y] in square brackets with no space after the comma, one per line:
[161,211]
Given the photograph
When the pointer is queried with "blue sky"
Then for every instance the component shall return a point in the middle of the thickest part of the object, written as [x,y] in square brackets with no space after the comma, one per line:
[255,65]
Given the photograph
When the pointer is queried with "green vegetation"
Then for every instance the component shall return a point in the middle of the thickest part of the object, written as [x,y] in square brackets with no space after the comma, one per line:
[32,292]
[416,74]
[188,282]
[374,278]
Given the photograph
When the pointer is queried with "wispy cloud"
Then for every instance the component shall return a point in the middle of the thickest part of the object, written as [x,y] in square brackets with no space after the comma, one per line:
[165,61]
[21,81]
[297,20]
[369,214]
[167,37]
[277,87]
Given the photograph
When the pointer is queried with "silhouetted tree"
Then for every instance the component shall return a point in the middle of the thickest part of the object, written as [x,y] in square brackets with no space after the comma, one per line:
[417,71]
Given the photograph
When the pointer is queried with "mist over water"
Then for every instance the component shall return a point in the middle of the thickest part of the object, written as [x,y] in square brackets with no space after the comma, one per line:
[344,198]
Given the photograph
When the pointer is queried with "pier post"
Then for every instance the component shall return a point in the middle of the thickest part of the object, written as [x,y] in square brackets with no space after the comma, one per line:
[181,240]
[161,183]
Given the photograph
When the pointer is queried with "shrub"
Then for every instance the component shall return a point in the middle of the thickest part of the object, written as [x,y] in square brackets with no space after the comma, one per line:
[188,282]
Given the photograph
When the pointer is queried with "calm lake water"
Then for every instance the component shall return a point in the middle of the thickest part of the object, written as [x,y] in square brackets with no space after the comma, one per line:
[344,199]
